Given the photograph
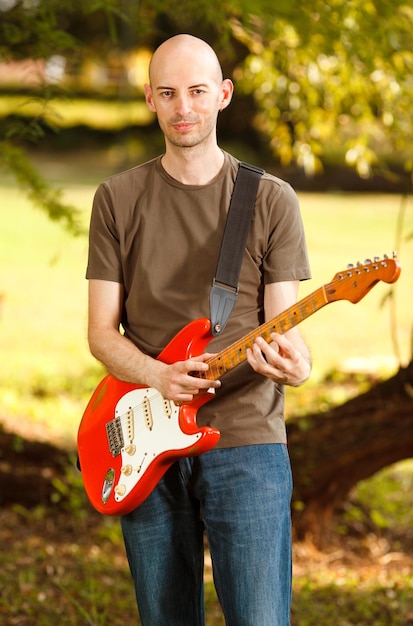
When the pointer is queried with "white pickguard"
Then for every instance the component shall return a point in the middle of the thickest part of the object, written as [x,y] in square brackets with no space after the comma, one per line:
[150,427]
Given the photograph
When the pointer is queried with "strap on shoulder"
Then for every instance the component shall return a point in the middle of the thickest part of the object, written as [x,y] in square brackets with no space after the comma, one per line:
[224,288]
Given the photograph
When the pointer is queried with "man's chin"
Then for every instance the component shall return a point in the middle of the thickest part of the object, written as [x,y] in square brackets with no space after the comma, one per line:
[185,142]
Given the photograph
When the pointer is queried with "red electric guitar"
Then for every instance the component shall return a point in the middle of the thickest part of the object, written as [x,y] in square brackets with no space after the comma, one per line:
[129,435]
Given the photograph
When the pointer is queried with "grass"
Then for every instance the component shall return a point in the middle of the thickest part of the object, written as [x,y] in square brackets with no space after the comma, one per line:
[346,228]
[43,310]
[65,564]
[68,568]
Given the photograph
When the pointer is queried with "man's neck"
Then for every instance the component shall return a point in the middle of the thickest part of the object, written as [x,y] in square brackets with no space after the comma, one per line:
[193,166]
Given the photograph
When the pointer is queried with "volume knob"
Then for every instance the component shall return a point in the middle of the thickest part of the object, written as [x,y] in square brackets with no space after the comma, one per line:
[130,449]
[120,490]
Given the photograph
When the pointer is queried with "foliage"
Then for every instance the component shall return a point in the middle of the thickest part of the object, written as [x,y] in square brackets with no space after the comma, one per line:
[28,31]
[334,78]
[383,503]
[38,30]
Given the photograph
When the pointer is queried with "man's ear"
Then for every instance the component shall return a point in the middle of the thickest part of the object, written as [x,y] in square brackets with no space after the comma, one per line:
[227,89]
[149,98]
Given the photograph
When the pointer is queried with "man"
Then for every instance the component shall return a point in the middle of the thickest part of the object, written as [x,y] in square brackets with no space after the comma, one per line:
[155,237]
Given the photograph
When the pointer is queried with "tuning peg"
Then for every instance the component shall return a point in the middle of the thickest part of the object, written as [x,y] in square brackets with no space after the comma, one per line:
[350,266]
[376,259]
[367,261]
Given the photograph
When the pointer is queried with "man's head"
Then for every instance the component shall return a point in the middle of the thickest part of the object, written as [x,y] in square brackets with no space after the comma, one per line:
[187,90]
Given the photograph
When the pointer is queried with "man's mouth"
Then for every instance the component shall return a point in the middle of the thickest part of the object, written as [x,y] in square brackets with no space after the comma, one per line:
[183,126]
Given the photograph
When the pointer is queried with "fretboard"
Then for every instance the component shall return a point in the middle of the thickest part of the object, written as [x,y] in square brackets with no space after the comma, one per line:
[236,353]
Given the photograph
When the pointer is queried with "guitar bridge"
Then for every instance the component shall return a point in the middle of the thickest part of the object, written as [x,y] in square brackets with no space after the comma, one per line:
[115,436]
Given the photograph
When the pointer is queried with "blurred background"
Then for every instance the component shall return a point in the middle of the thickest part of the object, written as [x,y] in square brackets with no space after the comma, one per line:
[324,99]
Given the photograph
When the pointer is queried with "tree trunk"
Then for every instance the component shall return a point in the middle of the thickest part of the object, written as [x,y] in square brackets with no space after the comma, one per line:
[333,451]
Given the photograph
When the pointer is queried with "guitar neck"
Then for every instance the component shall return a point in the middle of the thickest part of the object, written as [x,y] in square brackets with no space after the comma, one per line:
[236,353]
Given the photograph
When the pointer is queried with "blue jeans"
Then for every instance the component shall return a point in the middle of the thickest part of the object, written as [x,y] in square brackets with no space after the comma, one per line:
[241,497]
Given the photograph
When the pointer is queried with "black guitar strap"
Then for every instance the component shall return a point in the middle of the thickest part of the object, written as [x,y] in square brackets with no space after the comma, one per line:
[224,288]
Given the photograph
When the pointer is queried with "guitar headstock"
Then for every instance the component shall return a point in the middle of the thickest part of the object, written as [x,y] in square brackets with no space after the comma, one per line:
[356,280]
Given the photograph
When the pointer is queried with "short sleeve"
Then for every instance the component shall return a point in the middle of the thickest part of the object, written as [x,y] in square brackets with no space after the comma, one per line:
[104,258]
[286,256]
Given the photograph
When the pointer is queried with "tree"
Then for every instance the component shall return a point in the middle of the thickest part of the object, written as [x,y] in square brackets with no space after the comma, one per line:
[36,31]
[333,82]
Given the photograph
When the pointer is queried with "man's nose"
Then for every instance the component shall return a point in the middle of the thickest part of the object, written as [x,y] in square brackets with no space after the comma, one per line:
[183,104]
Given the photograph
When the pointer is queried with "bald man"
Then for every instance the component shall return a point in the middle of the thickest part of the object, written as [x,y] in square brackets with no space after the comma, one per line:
[155,237]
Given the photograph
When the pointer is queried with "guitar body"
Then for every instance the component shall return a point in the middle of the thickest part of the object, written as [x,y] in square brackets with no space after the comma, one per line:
[130,435]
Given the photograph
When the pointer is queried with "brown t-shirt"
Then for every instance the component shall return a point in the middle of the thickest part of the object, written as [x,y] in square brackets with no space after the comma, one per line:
[161,240]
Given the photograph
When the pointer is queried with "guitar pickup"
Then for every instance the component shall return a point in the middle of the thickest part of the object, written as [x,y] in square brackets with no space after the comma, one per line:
[115,436]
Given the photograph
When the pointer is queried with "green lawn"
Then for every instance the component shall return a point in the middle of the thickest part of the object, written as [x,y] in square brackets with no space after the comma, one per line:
[346,228]
[43,314]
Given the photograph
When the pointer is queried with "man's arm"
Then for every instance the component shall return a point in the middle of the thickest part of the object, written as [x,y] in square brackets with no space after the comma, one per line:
[286,359]
[125,361]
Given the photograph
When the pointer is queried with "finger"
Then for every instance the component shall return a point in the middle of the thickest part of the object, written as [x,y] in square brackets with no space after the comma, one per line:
[283,344]
[258,360]
[201,382]
[268,352]
[192,365]
[265,360]
[183,399]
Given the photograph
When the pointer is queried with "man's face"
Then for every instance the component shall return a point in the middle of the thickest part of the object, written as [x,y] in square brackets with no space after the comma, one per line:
[186,93]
